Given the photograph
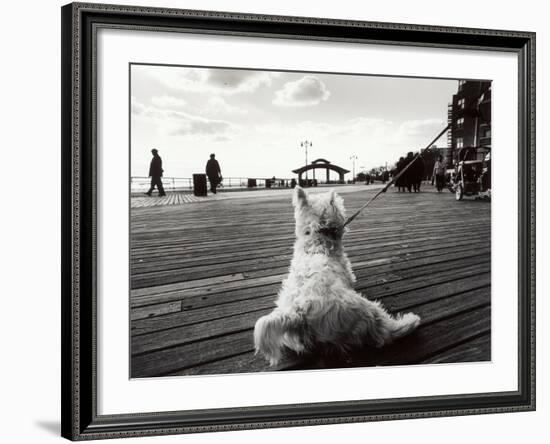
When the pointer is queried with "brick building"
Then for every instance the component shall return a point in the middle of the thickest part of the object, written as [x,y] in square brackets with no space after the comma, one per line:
[469,115]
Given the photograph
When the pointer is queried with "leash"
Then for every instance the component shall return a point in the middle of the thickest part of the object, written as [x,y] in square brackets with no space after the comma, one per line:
[391,182]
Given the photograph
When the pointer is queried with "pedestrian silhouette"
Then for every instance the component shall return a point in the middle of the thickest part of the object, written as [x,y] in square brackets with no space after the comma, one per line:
[155,173]
[400,183]
[414,173]
[438,175]
[214,173]
[418,168]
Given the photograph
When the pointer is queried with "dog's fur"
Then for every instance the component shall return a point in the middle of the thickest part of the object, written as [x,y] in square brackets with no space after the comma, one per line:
[318,311]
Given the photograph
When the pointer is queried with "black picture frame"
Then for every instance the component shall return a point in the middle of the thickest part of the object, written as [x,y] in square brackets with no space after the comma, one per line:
[79,385]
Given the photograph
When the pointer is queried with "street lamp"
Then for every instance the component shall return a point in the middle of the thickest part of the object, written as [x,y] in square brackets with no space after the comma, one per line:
[306,144]
[354,158]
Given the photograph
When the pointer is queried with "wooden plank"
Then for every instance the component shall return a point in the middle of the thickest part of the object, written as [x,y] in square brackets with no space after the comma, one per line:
[402,267]
[203,314]
[196,352]
[205,292]
[165,361]
[385,275]
[188,284]
[371,260]
[200,297]
[194,332]
[423,343]
[244,362]
[476,350]
[434,337]
[186,247]
[411,298]
[262,263]
[397,287]
[151,311]
[247,362]
[270,244]
[377,217]
[395,303]
[238,249]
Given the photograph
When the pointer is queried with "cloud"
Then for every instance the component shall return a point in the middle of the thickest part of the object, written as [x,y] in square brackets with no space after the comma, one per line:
[232,80]
[202,80]
[373,127]
[137,108]
[420,128]
[308,91]
[222,139]
[179,123]
[375,140]
[170,102]
[214,106]
[363,127]
[218,105]
[192,125]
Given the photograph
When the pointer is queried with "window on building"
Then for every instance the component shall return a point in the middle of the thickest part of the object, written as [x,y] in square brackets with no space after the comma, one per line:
[461,103]
[487,132]
[460,123]
[459,142]
[461,84]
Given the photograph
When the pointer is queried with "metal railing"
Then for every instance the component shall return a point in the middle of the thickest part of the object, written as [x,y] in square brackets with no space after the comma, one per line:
[142,183]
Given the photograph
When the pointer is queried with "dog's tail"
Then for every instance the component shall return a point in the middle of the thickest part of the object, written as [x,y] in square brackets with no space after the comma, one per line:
[402,325]
[277,331]
[384,328]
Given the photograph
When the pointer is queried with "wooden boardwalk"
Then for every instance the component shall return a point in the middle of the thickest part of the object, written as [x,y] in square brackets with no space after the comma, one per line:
[171,198]
[203,273]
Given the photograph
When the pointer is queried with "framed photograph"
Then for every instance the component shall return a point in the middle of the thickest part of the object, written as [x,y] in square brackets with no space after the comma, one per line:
[276,221]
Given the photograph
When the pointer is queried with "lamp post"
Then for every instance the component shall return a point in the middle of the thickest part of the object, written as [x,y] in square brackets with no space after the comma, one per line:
[354,158]
[306,144]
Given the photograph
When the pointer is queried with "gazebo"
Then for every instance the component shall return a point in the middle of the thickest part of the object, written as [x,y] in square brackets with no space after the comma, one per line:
[321,164]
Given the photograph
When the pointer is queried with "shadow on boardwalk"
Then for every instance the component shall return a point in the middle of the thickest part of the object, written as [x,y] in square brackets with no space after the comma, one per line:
[203,273]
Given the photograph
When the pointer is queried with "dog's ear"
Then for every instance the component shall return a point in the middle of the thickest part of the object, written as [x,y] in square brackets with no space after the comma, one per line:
[336,202]
[300,197]
[332,196]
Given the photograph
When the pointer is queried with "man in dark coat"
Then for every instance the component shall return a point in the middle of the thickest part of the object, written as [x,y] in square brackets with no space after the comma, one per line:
[418,168]
[155,173]
[214,173]
[409,175]
[414,173]
[400,183]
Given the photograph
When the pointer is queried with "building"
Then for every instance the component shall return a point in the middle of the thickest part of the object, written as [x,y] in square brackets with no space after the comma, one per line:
[469,116]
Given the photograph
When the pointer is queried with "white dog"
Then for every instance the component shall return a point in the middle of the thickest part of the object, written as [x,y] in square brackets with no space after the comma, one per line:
[318,311]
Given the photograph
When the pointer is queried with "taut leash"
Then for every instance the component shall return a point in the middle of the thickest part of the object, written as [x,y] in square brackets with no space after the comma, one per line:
[391,182]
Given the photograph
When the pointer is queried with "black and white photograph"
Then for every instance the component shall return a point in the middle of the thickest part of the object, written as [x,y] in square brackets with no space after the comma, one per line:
[294,221]
[274,222]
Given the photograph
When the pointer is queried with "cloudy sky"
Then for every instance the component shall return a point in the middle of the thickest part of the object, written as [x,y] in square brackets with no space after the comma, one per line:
[255,120]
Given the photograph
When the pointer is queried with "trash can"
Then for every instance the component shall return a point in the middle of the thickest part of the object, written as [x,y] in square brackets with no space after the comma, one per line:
[199,185]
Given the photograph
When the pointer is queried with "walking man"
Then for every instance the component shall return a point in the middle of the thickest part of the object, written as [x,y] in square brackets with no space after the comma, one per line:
[410,174]
[439,174]
[155,173]
[400,183]
[418,167]
[214,173]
